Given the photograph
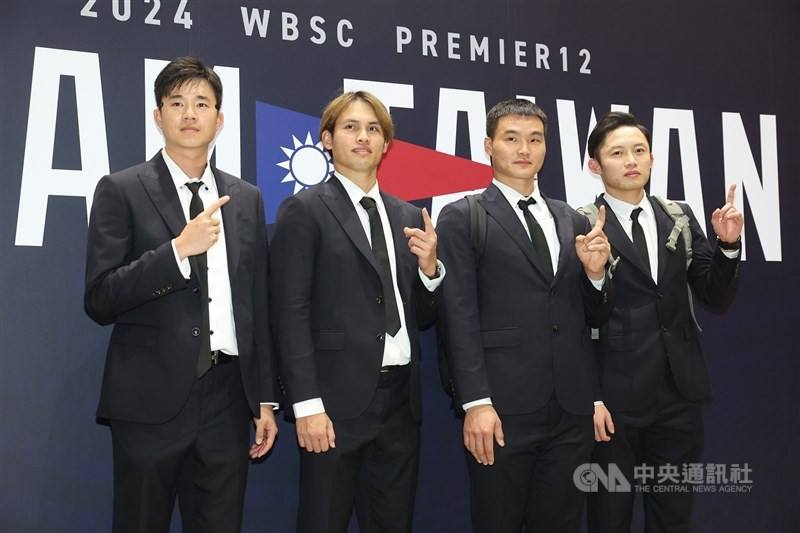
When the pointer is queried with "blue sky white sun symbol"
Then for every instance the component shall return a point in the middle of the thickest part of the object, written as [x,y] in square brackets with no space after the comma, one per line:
[308,163]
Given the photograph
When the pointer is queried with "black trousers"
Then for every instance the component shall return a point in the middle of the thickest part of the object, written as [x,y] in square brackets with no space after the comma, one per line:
[530,483]
[668,434]
[373,467]
[200,456]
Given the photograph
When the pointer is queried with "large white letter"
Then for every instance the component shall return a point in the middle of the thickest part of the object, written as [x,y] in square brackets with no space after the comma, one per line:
[762,194]
[228,140]
[451,101]
[664,120]
[39,179]
[580,184]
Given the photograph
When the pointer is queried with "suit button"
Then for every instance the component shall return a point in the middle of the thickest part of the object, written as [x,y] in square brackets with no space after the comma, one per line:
[660,295]
[555,328]
[209,300]
[211,332]
[552,292]
[196,290]
[195,332]
[664,329]
[379,337]
[169,287]
[156,292]
[379,300]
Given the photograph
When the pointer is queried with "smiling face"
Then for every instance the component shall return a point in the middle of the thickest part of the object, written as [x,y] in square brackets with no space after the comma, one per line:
[517,151]
[357,142]
[188,117]
[624,162]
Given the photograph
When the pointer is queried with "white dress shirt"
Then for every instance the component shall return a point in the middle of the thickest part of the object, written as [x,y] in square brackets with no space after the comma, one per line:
[647,219]
[397,348]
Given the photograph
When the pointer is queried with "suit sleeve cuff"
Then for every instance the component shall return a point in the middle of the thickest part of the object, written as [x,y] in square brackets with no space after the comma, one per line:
[183,265]
[274,405]
[475,403]
[314,406]
[433,284]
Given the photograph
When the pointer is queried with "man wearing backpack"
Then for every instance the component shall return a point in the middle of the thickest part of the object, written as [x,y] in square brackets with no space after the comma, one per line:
[653,376]
[518,311]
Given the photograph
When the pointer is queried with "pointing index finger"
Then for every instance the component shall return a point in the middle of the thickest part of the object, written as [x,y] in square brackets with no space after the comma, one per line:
[731,194]
[211,209]
[426,218]
[601,218]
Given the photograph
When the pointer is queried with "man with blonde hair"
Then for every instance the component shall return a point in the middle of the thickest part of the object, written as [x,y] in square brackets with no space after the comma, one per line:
[355,276]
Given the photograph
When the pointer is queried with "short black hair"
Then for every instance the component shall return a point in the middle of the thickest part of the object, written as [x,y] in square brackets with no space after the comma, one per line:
[608,123]
[513,106]
[181,70]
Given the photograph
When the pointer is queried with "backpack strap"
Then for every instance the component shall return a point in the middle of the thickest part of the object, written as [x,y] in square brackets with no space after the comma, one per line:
[681,227]
[477,224]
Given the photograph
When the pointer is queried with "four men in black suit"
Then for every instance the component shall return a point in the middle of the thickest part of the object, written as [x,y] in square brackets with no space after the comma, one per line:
[518,321]
[354,276]
[653,375]
[177,261]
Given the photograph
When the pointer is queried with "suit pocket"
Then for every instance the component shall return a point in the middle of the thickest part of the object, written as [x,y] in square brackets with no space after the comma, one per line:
[142,335]
[498,338]
[330,340]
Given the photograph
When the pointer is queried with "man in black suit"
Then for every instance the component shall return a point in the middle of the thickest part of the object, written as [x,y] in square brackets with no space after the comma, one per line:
[518,319]
[354,277]
[653,379]
[188,364]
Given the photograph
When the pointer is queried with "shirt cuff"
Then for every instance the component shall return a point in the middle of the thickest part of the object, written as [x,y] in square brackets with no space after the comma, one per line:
[314,406]
[475,403]
[432,284]
[183,265]
[730,254]
[274,405]
[598,402]
[598,284]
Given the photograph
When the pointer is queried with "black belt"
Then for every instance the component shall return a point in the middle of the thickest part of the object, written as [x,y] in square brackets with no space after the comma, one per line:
[218,357]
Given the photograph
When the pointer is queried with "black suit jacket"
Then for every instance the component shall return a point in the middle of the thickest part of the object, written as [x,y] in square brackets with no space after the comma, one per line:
[327,302]
[651,325]
[133,282]
[513,334]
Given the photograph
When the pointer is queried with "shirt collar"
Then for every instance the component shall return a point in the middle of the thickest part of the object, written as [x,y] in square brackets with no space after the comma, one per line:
[623,209]
[356,193]
[514,197]
[180,178]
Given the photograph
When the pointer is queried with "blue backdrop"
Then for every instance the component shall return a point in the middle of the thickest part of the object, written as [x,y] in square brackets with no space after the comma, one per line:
[716,81]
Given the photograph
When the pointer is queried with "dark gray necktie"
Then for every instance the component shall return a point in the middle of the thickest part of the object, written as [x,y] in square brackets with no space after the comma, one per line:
[639,241]
[537,235]
[204,357]
[381,256]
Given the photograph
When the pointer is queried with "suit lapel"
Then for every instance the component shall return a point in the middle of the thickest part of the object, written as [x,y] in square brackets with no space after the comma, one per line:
[620,240]
[499,209]
[231,213]
[565,232]
[158,183]
[664,224]
[394,213]
[338,202]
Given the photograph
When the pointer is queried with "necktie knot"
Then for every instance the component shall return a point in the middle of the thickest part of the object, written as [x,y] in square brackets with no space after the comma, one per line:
[194,186]
[523,203]
[635,214]
[368,203]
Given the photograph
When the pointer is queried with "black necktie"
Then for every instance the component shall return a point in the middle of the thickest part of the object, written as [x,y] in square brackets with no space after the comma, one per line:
[639,241]
[537,235]
[382,261]
[204,357]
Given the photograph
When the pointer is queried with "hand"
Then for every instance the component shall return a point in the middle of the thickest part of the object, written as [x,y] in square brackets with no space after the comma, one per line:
[422,243]
[315,433]
[593,248]
[728,221]
[266,431]
[603,424]
[481,427]
[201,232]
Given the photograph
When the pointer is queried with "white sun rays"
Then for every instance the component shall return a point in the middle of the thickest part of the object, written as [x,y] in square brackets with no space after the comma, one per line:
[308,163]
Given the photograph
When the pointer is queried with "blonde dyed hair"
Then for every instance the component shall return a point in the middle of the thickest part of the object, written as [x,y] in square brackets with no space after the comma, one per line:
[336,107]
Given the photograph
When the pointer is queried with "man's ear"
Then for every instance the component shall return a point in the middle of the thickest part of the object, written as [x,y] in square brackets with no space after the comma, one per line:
[594,166]
[487,147]
[327,140]
[157,116]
